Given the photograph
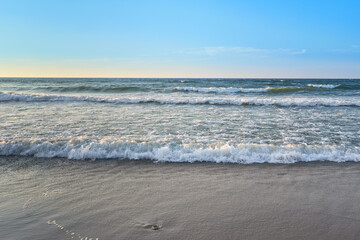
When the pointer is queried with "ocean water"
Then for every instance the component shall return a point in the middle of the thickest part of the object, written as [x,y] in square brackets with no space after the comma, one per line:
[181,120]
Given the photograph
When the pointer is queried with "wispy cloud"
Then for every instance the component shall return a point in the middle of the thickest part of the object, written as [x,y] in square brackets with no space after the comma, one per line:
[355,48]
[212,51]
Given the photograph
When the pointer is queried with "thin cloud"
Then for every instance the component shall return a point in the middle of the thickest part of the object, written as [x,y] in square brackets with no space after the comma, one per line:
[212,51]
[352,49]
[291,51]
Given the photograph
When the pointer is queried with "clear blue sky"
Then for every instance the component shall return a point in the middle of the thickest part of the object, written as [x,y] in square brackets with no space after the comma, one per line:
[180,38]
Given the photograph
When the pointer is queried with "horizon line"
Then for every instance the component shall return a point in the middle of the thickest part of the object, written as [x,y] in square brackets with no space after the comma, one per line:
[347,78]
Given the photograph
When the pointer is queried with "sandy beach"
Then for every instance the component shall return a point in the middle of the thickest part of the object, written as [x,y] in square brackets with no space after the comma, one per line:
[114,199]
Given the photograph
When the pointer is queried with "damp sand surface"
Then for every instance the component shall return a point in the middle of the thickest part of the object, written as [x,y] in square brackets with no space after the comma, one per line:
[120,199]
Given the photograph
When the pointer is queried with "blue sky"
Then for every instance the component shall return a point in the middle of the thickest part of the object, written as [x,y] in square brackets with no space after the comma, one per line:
[180,38]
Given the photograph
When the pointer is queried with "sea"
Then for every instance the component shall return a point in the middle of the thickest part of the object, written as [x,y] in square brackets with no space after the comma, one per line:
[240,121]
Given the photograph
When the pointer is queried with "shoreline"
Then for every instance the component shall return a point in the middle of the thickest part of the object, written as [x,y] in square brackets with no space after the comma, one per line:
[4,160]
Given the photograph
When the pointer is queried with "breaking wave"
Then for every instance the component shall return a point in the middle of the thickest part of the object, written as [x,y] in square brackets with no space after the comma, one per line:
[323,86]
[287,102]
[243,153]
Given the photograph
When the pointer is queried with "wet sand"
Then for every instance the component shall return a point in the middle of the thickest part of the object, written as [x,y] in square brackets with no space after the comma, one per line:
[64,199]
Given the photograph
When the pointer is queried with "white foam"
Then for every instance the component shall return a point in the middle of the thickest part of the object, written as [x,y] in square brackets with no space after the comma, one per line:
[222,90]
[323,85]
[170,99]
[242,153]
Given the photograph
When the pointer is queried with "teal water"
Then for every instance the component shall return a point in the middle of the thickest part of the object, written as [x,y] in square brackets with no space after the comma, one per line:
[182,120]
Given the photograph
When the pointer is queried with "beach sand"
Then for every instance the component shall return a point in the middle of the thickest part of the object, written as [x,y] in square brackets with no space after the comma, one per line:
[113,199]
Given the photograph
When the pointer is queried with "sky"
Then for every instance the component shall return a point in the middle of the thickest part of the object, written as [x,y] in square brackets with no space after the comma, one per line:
[139,38]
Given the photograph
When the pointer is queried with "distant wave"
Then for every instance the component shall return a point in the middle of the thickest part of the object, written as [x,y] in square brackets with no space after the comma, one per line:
[221,90]
[91,89]
[288,102]
[243,153]
[231,90]
[329,86]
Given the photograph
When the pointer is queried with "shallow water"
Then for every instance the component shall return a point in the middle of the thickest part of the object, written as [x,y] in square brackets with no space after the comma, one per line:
[122,199]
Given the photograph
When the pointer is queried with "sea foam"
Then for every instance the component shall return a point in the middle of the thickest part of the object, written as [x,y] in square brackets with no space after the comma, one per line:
[323,85]
[242,153]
